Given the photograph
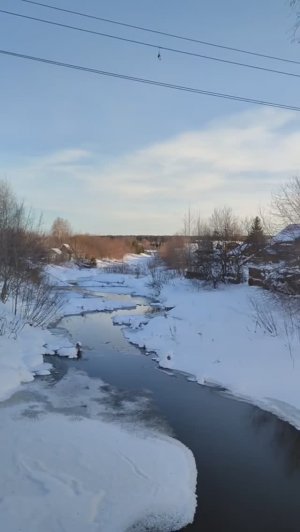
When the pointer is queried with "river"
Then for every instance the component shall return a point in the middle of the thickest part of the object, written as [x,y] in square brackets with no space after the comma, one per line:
[248,461]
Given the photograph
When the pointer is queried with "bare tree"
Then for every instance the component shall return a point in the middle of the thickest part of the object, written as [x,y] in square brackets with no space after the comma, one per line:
[61,230]
[21,247]
[294,4]
[218,257]
[286,202]
[224,224]
[188,223]
[174,253]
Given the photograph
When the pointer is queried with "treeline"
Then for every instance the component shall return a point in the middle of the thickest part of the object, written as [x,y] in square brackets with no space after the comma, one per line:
[86,246]
[216,249]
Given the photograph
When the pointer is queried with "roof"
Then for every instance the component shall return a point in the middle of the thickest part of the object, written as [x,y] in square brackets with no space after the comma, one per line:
[56,250]
[289,234]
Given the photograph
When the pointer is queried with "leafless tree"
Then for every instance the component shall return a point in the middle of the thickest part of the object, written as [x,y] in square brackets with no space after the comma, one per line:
[294,4]
[218,257]
[286,202]
[38,302]
[61,231]
[21,247]
[175,254]
[224,224]
[188,221]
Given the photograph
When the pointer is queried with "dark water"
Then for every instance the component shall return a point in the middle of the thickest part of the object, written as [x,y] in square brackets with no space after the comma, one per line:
[248,461]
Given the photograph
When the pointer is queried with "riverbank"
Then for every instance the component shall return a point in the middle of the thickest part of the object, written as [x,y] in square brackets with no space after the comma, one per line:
[63,465]
[214,336]
[217,338]
[235,337]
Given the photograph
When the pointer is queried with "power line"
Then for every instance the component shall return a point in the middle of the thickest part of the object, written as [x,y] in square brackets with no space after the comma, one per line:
[150,45]
[150,81]
[166,34]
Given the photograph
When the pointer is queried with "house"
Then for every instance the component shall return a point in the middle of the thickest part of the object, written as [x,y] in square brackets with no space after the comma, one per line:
[66,251]
[54,255]
[286,244]
[277,266]
[62,254]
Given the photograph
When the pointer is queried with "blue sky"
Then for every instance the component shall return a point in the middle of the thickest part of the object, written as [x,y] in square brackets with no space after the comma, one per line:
[114,157]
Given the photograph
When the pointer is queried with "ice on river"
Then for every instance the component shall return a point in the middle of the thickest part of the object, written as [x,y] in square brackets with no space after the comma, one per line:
[63,471]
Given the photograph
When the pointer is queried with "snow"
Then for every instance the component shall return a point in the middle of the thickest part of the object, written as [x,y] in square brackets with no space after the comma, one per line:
[288,234]
[57,251]
[212,335]
[134,322]
[22,352]
[21,359]
[64,467]
[22,356]
[62,473]
[234,337]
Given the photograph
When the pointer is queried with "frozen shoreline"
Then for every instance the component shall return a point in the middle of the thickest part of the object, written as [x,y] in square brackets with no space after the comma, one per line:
[212,335]
[66,469]
[209,334]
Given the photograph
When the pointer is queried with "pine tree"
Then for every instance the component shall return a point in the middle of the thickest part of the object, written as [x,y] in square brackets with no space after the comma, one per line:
[256,236]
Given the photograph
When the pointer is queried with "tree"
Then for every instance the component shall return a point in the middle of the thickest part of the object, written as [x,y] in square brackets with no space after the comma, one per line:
[224,224]
[21,247]
[256,236]
[61,230]
[286,202]
[294,4]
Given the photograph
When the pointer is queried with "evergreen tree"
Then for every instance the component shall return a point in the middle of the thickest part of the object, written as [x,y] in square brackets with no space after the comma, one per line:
[256,236]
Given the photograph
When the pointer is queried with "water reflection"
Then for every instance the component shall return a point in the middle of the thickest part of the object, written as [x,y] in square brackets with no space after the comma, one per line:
[132,407]
[285,439]
[247,460]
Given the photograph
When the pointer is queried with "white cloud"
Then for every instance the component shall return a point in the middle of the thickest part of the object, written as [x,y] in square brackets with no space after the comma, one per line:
[237,161]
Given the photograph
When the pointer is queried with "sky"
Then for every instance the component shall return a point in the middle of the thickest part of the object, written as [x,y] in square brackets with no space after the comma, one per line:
[117,157]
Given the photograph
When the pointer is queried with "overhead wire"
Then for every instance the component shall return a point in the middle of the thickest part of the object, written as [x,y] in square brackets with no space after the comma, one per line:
[183,88]
[150,45]
[164,33]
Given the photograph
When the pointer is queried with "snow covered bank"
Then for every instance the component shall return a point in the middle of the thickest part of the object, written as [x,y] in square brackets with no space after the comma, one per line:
[21,359]
[63,466]
[22,348]
[215,336]
[21,356]
[77,472]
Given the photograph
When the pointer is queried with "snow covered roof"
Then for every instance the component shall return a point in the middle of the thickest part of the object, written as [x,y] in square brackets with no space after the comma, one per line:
[289,234]
[66,246]
[56,250]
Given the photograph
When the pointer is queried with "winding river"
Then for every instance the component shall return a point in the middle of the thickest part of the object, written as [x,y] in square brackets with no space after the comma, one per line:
[248,461]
